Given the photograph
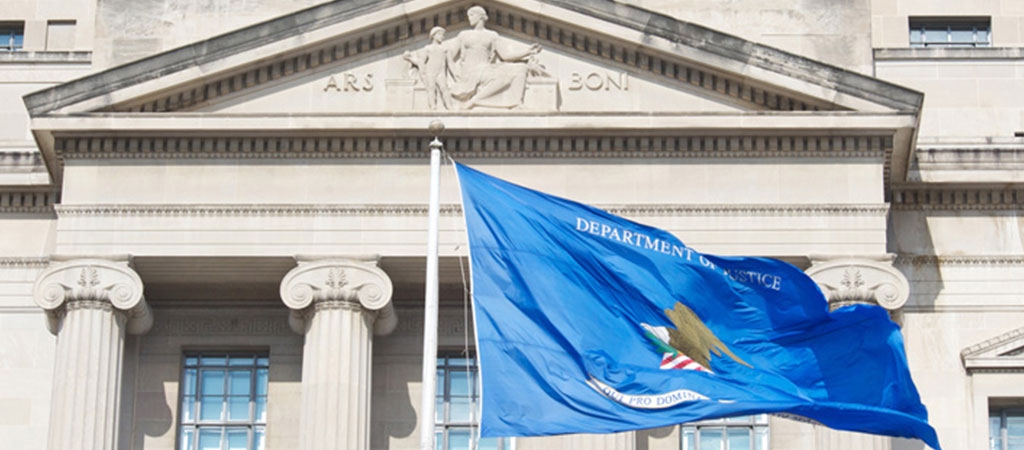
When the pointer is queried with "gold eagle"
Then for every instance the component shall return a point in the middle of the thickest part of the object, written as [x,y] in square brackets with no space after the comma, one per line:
[693,339]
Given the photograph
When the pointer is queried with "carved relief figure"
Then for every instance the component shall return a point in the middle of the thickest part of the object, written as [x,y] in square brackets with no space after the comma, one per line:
[434,65]
[489,75]
[482,70]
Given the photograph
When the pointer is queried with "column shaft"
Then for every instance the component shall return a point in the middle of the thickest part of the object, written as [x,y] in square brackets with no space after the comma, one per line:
[336,304]
[617,441]
[829,439]
[336,378]
[87,380]
[90,304]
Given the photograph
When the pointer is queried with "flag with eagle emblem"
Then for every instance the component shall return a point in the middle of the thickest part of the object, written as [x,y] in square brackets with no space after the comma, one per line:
[587,322]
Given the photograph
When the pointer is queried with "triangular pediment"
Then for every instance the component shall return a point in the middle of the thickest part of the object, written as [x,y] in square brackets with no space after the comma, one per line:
[605,71]
[348,58]
[396,79]
[1003,353]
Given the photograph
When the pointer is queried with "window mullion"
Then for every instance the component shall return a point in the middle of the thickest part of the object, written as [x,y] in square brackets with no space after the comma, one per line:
[1004,431]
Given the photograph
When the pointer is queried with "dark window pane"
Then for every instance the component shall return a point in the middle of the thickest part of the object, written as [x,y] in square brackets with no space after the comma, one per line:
[261,410]
[712,439]
[261,381]
[209,439]
[238,408]
[212,382]
[214,360]
[461,384]
[186,438]
[458,439]
[238,439]
[936,36]
[489,444]
[739,438]
[245,360]
[459,410]
[260,436]
[982,37]
[211,408]
[188,407]
[240,382]
[188,384]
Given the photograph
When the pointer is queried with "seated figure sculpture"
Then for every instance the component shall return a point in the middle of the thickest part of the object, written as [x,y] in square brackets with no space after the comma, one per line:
[489,75]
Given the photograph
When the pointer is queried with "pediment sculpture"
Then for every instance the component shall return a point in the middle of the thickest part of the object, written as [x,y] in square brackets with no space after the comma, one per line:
[475,69]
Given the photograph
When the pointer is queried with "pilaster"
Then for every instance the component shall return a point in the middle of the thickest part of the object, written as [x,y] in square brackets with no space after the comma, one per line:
[90,304]
[338,304]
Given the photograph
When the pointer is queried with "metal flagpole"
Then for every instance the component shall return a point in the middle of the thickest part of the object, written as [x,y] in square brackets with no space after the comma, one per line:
[430,296]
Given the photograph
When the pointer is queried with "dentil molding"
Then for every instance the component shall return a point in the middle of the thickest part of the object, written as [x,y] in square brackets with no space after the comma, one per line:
[326,283]
[228,210]
[92,282]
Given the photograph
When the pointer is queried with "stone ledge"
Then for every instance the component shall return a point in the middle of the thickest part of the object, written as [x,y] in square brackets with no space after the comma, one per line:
[45,57]
[940,53]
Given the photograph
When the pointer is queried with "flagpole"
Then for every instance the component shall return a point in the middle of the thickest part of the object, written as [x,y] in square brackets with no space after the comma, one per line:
[430,308]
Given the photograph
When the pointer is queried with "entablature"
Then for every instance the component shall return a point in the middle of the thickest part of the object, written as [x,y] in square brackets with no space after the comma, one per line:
[470,142]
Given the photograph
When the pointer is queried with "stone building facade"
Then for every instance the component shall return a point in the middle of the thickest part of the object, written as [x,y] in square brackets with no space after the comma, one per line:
[214,213]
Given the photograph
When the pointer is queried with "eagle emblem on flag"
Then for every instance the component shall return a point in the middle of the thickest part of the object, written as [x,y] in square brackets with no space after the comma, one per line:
[690,344]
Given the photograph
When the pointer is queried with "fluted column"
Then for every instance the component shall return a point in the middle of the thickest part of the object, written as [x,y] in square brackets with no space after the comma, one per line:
[90,304]
[617,441]
[338,304]
[848,279]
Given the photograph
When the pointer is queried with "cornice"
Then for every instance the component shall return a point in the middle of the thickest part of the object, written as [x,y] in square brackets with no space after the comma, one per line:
[986,157]
[1000,354]
[924,197]
[516,146]
[870,210]
[976,260]
[993,343]
[28,202]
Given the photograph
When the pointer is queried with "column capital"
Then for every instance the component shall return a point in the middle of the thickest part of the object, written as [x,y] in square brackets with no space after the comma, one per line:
[870,279]
[319,282]
[92,282]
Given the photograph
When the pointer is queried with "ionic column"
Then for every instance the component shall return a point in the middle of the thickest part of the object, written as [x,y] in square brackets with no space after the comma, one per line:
[617,441]
[847,280]
[872,280]
[90,304]
[338,304]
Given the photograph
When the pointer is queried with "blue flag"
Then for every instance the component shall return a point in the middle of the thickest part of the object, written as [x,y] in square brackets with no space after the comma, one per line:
[590,323]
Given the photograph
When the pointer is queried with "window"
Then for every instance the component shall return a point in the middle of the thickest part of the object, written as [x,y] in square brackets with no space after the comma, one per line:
[223,401]
[950,32]
[12,34]
[734,433]
[1006,428]
[458,408]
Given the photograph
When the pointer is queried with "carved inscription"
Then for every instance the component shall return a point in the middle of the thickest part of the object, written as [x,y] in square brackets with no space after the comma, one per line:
[349,82]
[594,81]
